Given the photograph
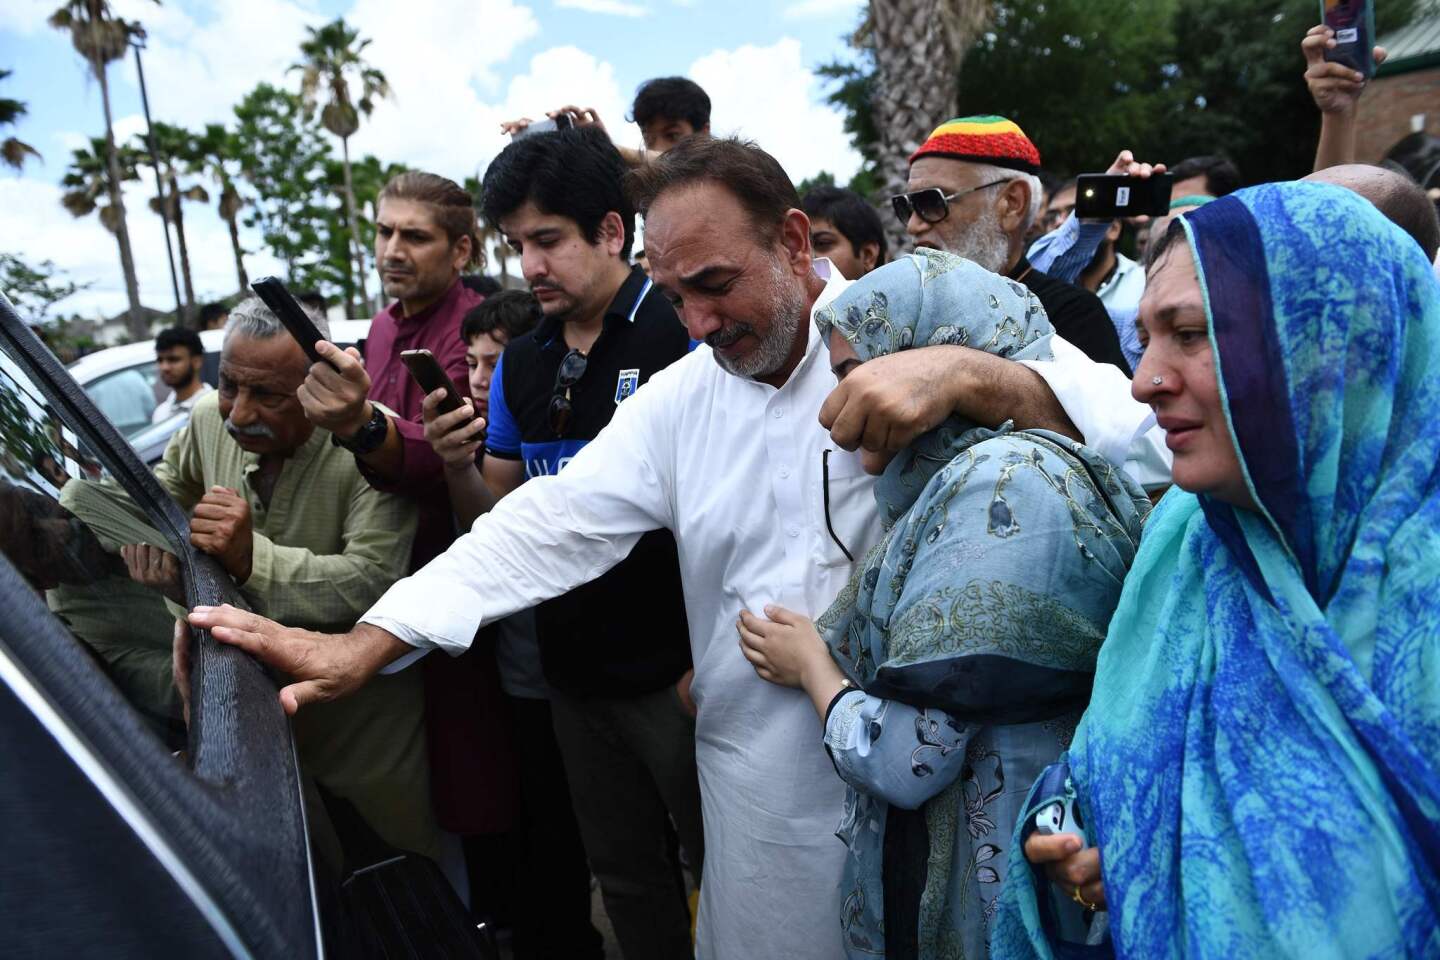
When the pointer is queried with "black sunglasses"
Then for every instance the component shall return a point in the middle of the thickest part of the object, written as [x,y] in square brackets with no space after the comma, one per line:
[931,204]
[572,368]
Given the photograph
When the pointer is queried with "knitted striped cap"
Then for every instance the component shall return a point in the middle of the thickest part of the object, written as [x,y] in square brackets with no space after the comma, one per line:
[992,140]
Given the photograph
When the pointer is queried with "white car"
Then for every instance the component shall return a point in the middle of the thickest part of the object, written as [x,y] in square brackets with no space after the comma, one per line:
[124,383]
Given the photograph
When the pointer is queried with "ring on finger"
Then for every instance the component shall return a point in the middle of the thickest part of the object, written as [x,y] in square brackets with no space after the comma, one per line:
[1080,899]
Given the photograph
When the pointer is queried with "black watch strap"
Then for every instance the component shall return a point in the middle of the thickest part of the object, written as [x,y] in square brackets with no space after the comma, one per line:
[369,437]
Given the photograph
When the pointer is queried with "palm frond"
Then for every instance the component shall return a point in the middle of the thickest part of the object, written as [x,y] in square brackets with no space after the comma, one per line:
[14,153]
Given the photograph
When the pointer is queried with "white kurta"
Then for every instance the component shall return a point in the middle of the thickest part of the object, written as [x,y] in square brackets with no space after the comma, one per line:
[733,468]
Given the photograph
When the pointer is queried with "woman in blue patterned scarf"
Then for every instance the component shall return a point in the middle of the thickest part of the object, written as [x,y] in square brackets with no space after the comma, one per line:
[1258,774]
[955,664]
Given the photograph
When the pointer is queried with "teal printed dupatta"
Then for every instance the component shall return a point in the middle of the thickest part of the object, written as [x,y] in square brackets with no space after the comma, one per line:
[989,594]
[1260,762]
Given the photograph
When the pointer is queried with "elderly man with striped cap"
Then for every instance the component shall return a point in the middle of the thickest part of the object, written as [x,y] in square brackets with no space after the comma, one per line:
[973,192]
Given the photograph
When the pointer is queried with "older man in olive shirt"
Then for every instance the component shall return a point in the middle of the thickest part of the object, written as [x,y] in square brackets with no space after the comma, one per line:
[291,519]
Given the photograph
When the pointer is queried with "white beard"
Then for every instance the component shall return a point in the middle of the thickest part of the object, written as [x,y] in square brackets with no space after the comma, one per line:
[774,348]
[984,243]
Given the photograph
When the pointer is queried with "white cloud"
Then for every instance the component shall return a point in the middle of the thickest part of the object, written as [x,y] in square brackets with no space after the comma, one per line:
[459,135]
[444,116]
[436,119]
[30,212]
[616,8]
[26,16]
[767,94]
[195,71]
[804,9]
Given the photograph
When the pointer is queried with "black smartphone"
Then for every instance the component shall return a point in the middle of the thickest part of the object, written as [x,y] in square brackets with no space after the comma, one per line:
[1105,196]
[1354,24]
[283,305]
[431,376]
[561,121]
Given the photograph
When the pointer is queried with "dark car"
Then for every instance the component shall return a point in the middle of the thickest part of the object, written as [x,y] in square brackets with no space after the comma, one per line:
[129,832]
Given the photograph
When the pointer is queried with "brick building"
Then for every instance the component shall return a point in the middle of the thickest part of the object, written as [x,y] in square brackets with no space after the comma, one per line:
[1404,97]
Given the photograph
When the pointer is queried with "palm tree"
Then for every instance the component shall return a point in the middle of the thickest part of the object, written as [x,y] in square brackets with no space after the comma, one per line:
[88,182]
[213,150]
[176,152]
[101,37]
[332,61]
[918,46]
[13,151]
[491,243]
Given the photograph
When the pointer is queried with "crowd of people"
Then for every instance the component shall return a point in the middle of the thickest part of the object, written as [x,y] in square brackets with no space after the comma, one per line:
[1053,584]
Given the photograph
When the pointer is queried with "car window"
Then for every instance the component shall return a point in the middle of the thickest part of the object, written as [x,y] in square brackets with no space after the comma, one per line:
[88,652]
[128,397]
[63,520]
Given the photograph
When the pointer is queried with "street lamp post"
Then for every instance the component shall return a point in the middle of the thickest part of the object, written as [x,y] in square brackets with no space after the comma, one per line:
[137,41]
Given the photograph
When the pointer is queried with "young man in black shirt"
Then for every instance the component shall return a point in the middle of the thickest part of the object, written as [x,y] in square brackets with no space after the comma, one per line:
[616,651]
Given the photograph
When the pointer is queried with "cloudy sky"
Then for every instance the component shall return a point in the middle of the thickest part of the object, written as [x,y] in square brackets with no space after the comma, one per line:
[458,67]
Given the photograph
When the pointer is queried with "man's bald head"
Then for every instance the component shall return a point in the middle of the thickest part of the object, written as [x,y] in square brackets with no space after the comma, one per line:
[1394,194]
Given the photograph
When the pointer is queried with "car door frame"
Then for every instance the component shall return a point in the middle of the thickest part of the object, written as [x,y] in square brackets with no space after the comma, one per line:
[234,822]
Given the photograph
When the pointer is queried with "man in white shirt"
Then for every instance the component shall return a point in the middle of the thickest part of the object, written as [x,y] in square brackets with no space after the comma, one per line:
[179,356]
[722,449]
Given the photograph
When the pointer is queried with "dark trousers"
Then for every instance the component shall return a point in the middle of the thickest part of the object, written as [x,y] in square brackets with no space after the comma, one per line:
[545,881]
[631,767]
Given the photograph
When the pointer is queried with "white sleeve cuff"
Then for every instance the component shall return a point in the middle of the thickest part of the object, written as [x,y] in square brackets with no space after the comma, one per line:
[1096,397]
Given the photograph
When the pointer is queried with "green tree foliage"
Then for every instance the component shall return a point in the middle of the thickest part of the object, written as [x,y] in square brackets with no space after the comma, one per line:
[35,289]
[1083,78]
[176,156]
[282,160]
[102,38]
[368,177]
[1166,78]
[217,153]
[87,181]
[13,151]
[333,68]
[1239,83]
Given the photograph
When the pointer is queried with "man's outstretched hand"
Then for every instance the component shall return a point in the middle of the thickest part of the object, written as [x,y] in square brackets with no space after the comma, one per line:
[321,666]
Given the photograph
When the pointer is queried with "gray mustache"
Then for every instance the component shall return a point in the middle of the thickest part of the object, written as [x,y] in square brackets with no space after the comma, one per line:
[257,430]
[723,338]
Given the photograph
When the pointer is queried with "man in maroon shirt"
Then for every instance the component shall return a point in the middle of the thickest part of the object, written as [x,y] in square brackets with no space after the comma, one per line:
[425,234]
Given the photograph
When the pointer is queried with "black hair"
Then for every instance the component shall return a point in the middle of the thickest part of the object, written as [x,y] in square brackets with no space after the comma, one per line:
[210,311]
[572,173]
[1220,173]
[1174,231]
[1408,206]
[754,177]
[450,204]
[850,214]
[180,337]
[673,98]
[481,283]
[511,312]
[314,298]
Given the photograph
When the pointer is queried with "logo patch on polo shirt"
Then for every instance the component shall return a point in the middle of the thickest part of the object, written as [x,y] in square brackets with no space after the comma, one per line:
[626,384]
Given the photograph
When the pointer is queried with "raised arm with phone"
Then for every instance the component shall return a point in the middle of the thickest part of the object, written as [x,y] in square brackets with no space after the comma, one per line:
[1336,88]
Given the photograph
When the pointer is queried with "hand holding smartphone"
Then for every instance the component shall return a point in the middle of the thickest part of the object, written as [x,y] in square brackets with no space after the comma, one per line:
[428,373]
[1106,196]
[1354,24]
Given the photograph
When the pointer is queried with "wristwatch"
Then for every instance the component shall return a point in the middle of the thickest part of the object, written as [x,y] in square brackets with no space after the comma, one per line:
[369,437]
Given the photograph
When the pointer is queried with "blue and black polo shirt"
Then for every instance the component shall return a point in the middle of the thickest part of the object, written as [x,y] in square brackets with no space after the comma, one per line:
[624,634]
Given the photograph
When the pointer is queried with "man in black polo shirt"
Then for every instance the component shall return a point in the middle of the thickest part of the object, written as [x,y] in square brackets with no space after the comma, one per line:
[613,650]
